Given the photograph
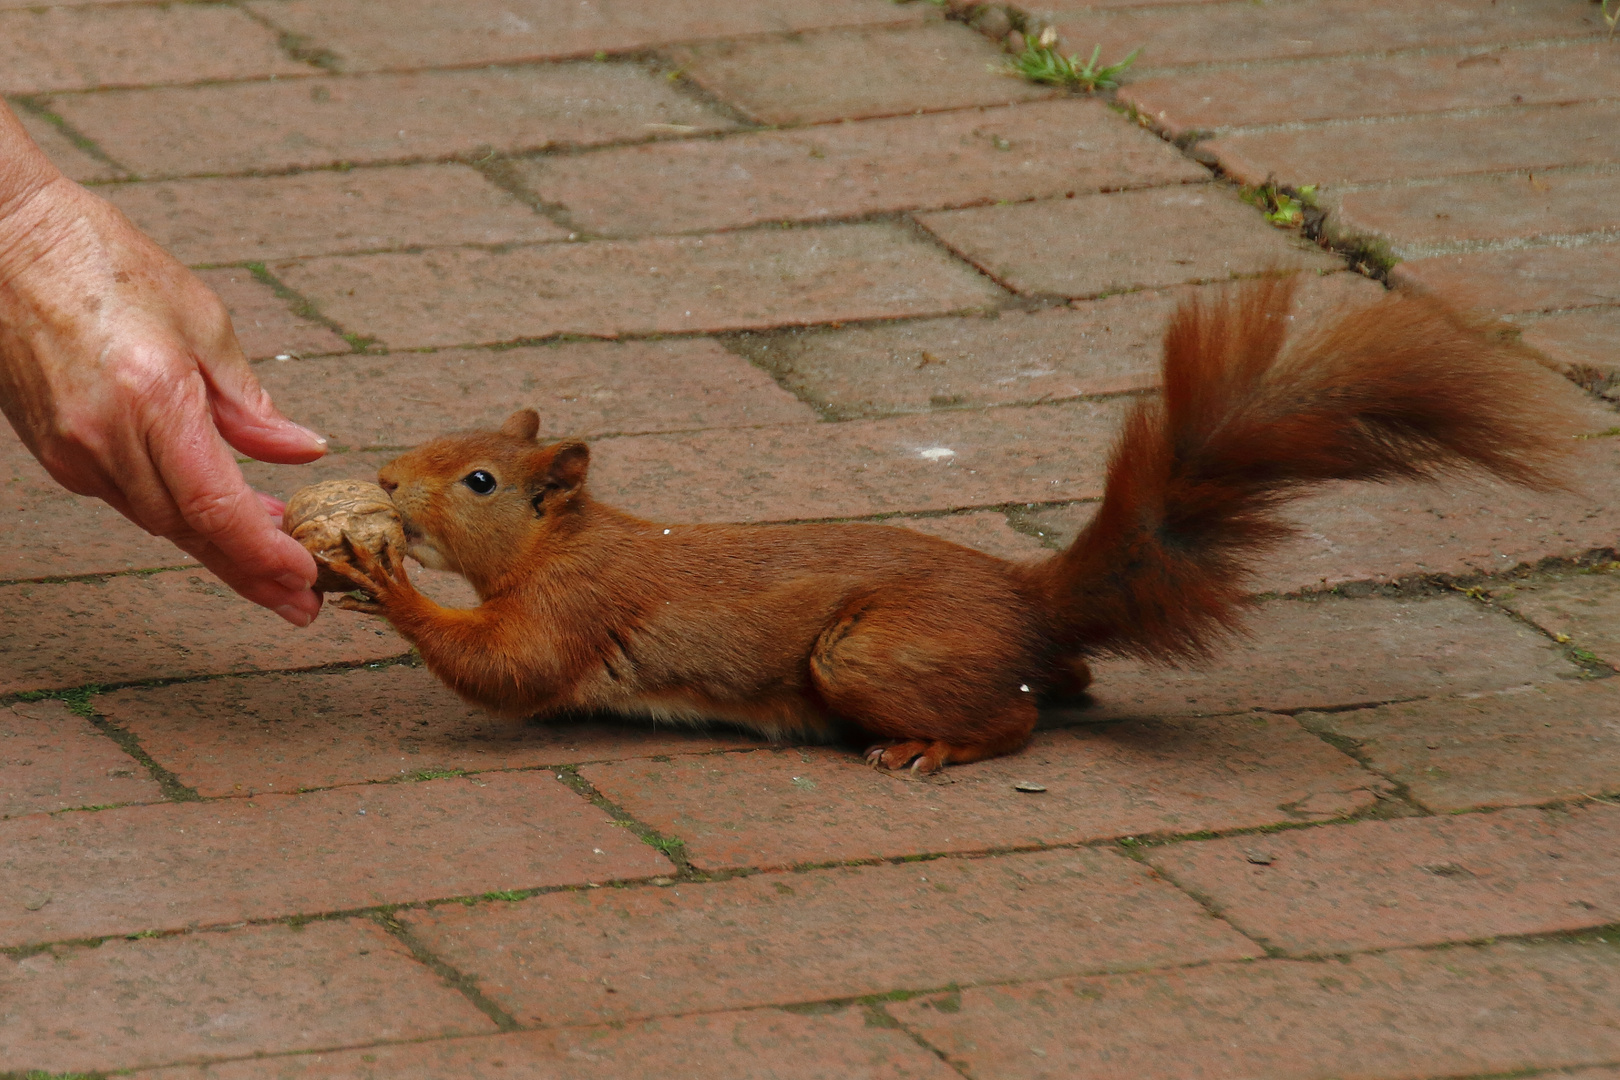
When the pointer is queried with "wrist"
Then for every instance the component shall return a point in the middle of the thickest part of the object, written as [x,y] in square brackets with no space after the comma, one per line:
[25,171]
[39,215]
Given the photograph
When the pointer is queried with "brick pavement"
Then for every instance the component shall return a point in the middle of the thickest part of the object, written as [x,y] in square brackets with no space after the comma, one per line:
[766,254]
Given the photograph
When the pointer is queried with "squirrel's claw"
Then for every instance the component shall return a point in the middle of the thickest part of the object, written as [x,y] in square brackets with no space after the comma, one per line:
[345,569]
[923,756]
[368,575]
[377,577]
[355,603]
[394,562]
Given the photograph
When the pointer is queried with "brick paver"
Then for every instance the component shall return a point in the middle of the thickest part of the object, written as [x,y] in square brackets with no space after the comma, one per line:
[160,626]
[1519,207]
[580,389]
[48,531]
[282,733]
[1332,652]
[323,213]
[851,74]
[1092,347]
[240,127]
[1424,146]
[73,48]
[1515,747]
[1452,78]
[1225,32]
[1357,532]
[179,865]
[64,153]
[704,947]
[1459,1012]
[846,170]
[1580,340]
[730,281]
[1099,244]
[256,989]
[799,471]
[421,33]
[1583,609]
[1384,884]
[816,805]
[55,760]
[844,267]
[266,324]
[1520,280]
[842,1045]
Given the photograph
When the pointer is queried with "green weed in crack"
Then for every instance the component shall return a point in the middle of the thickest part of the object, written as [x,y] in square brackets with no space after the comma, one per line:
[1040,62]
[1284,207]
[76,699]
[433,774]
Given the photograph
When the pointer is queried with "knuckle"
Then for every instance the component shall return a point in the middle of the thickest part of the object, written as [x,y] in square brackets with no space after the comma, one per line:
[210,512]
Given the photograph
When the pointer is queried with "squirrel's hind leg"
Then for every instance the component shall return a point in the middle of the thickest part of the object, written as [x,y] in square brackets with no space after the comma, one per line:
[926,696]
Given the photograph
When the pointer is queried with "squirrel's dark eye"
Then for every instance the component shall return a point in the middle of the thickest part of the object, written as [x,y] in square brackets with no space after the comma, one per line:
[480,481]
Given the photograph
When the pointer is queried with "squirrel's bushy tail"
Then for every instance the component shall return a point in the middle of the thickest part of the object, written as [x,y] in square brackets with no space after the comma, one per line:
[1403,388]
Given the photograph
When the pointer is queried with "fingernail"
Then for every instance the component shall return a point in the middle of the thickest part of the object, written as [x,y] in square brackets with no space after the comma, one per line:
[295,615]
[296,582]
[314,435]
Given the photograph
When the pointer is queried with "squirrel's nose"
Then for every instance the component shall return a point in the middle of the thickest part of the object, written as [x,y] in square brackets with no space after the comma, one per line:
[389,486]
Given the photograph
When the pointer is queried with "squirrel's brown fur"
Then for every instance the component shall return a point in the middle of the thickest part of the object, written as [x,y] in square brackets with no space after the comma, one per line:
[933,652]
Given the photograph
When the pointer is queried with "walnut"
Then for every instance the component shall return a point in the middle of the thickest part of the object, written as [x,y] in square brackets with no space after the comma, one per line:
[319,516]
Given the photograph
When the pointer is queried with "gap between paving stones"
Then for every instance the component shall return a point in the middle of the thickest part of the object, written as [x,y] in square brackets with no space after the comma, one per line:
[464,984]
[31,104]
[874,1005]
[1401,805]
[384,914]
[652,66]
[1365,254]
[1354,248]
[1370,254]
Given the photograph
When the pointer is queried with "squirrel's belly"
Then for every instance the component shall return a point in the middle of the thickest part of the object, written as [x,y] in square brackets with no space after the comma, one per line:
[777,717]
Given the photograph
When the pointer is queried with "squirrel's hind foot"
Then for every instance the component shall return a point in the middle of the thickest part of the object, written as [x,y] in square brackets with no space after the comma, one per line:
[925,756]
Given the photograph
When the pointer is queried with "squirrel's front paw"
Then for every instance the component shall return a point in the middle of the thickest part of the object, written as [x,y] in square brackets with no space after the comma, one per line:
[379,580]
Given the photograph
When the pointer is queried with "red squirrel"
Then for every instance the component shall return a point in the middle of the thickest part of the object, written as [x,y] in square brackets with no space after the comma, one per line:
[929,652]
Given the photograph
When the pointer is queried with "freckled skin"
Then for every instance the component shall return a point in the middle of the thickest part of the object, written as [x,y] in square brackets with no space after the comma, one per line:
[930,652]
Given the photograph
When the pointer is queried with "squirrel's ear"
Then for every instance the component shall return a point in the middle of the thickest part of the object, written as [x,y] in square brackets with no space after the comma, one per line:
[523,424]
[569,462]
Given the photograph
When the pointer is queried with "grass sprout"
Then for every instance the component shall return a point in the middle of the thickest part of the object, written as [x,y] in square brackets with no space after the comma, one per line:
[1040,62]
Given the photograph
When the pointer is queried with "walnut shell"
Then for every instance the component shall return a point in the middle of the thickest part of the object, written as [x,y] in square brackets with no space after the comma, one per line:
[319,516]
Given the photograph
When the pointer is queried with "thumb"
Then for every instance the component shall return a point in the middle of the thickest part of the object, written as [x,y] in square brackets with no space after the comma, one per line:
[250,421]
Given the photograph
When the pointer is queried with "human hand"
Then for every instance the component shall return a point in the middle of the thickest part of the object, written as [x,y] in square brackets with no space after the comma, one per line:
[121,373]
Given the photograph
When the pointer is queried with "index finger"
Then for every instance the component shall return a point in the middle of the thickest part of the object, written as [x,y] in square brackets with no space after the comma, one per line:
[214,500]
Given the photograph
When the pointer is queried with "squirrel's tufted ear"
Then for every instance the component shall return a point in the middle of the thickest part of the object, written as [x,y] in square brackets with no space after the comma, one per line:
[523,424]
[569,462]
